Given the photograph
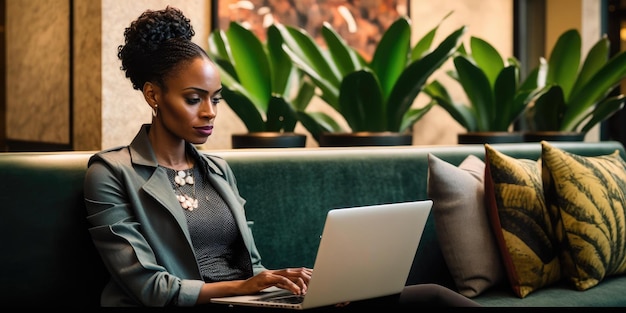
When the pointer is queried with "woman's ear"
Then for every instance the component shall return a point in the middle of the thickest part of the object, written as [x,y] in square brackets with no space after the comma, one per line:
[150,93]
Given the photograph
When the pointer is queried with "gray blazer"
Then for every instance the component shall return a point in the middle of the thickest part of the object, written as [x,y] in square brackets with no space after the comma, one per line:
[140,230]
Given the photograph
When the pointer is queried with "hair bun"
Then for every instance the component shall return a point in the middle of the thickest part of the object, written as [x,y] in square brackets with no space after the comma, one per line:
[155,27]
[154,43]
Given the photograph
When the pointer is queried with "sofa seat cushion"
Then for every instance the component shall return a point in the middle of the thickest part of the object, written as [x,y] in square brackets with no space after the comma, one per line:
[609,294]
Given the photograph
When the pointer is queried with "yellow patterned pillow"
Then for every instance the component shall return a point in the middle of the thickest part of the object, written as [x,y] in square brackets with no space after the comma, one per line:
[520,221]
[586,198]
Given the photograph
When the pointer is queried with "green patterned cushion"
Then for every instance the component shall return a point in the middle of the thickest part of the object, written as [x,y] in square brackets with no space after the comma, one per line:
[520,221]
[586,196]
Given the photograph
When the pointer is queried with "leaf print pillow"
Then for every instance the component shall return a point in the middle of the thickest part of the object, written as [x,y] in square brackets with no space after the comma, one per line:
[586,198]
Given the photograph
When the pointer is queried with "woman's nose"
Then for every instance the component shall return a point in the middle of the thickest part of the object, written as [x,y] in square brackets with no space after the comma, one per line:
[208,110]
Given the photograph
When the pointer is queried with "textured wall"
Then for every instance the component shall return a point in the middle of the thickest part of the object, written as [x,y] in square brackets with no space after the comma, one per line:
[37,67]
[87,75]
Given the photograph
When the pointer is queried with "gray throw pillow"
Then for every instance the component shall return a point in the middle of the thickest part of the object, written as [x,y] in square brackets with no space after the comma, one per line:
[462,223]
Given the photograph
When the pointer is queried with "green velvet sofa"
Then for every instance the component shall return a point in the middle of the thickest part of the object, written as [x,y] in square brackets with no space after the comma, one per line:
[48,258]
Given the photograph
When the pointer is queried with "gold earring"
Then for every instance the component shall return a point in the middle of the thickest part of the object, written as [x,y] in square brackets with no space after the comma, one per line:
[154,110]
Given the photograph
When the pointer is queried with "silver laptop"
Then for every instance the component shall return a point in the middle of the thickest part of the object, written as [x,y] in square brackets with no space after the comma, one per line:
[364,252]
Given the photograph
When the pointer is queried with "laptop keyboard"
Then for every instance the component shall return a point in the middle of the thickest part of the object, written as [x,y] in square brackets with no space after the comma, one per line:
[291,299]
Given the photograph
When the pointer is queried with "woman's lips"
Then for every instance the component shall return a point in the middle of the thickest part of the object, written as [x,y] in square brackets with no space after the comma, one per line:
[205,130]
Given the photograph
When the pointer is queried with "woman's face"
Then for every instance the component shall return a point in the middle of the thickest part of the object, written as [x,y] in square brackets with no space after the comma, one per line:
[188,107]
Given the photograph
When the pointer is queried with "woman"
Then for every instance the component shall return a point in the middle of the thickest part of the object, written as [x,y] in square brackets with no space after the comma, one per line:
[168,221]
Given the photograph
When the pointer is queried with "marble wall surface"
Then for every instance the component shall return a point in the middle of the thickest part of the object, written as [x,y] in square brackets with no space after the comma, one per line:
[37,67]
[108,112]
[87,105]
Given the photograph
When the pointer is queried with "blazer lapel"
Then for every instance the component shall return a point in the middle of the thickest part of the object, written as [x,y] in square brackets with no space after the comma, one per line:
[158,183]
[158,186]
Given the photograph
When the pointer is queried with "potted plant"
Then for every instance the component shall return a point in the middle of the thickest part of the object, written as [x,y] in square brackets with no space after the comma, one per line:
[374,97]
[496,94]
[575,98]
[261,85]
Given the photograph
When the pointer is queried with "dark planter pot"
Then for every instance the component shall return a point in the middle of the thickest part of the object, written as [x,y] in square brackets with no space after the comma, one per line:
[361,139]
[553,136]
[268,140]
[490,137]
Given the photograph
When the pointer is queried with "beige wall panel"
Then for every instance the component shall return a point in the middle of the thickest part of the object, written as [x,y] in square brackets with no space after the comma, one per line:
[561,15]
[591,32]
[37,104]
[87,75]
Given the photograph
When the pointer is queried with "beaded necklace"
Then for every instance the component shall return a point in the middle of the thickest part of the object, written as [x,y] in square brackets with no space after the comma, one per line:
[183,178]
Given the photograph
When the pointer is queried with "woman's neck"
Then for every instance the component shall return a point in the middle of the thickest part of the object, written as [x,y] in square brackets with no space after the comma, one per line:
[169,153]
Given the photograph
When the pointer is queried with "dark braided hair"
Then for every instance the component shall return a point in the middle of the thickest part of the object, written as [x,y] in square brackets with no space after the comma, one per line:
[156,44]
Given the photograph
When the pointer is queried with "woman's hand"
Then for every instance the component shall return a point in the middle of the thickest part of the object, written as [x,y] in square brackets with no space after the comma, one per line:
[295,280]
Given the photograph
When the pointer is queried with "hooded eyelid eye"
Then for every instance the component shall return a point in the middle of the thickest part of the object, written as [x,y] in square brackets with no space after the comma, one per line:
[193,100]
[216,100]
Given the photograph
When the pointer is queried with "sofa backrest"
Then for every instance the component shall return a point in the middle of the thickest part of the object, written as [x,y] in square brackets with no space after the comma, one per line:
[49,259]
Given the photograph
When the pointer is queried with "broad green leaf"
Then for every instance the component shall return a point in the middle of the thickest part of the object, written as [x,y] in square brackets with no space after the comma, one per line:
[486,58]
[544,115]
[391,55]
[238,53]
[228,69]
[478,90]
[604,110]
[217,48]
[317,123]
[564,61]
[362,109]
[327,122]
[304,95]
[245,109]
[423,44]
[330,91]
[280,63]
[232,83]
[596,58]
[248,55]
[280,115]
[504,91]
[219,54]
[344,56]
[414,77]
[309,57]
[413,115]
[461,51]
[303,45]
[598,87]
[459,112]
[531,81]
